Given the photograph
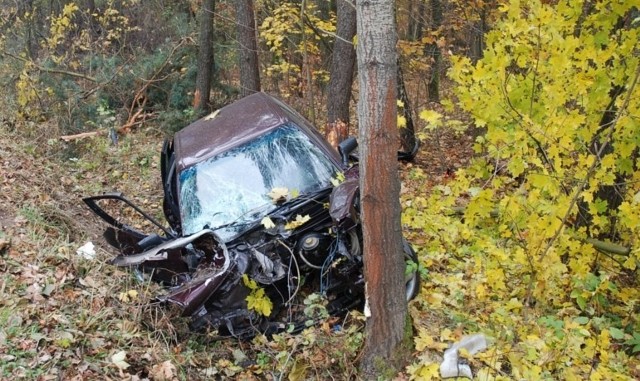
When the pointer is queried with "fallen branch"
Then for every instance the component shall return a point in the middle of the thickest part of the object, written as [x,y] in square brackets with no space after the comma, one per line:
[140,99]
[49,70]
[120,130]
[68,138]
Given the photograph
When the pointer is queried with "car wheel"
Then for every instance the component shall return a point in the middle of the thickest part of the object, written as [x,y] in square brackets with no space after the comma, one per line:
[412,279]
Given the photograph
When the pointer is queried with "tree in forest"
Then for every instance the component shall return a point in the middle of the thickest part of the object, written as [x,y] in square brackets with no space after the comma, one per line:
[293,32]
[432,51]
[342,67]
[248,48]
[205,58]
[415,24]
[409,143]
[386,306]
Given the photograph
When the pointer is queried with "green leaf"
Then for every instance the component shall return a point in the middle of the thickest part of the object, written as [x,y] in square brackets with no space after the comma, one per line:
[635,341]
[616,333]
[582,320]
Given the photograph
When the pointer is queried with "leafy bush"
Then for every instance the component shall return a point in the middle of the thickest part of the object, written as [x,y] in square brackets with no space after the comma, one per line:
[557,93]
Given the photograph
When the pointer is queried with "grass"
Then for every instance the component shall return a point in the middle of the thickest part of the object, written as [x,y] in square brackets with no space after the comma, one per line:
[64,316]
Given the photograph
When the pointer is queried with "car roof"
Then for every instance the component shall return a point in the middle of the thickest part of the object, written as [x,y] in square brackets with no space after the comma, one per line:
[235,124]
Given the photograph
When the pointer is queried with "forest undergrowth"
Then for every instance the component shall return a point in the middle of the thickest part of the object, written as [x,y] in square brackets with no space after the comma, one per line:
[64,316]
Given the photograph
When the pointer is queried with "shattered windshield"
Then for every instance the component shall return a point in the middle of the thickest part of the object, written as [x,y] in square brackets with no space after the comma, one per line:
[232,188]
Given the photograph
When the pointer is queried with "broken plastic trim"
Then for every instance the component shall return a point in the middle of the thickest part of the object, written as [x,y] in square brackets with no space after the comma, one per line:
[159,252]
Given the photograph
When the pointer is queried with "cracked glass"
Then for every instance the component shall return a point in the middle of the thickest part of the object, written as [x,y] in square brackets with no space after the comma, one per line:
[230,190]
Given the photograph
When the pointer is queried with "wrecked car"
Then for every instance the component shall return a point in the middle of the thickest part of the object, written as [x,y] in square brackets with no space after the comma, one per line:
[261,213]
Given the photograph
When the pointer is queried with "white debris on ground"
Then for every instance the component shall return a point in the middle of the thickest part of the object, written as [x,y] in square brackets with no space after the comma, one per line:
[451,366]
[87,251]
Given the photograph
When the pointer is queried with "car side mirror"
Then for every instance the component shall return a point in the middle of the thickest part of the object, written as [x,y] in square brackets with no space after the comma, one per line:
[346,147]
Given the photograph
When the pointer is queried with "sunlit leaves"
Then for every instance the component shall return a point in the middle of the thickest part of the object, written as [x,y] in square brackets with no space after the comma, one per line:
[128,296]
[518,263]
[431,117]
[60,24]
[338,179]
[297,222]
[267,222]
[257,300]
[290,31]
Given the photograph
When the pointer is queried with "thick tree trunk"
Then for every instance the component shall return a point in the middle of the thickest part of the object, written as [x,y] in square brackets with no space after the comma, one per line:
[342,65]
[205,58]
[248,49]
[385,346]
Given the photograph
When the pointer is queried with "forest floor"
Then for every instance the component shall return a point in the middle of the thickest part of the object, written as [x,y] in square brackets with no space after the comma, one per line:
[64,316]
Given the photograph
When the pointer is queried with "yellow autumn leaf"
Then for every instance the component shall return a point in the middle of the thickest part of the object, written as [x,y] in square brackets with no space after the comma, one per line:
[431,117]
[338,179]
[429,372]
[278,194]
[299,221]
[258,301]
[128,296]
[402,121]
[267,223]
[481,291]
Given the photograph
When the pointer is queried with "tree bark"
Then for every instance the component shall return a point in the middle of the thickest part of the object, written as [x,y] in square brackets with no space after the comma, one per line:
[416,21]
[341,80]
[386,307]
[477,32]
[248,48]
[433,51]
[205,58]
[325,7]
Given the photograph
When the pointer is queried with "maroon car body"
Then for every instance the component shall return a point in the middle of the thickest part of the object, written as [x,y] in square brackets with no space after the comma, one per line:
[251,194]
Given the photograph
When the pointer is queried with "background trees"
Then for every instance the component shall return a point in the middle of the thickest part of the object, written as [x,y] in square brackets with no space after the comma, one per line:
[247,48]
[205,58]
[342,68]
[88,55]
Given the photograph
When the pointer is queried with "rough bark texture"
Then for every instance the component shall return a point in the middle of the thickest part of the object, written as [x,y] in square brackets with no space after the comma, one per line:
[433,51]
[476,36]
[205,58]
[416,20]
[342,65]
[385,347]
[248,48]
